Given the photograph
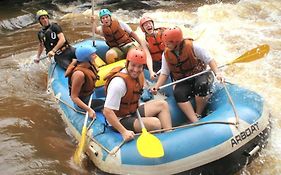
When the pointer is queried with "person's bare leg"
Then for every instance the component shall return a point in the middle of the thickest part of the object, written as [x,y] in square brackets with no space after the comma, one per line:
[111,56]
[188,110]
[200,103]
[159,109]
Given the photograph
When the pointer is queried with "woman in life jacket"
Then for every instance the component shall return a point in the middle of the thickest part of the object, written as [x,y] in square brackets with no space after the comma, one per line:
[118,35]
[153,37]
[53,40]
[183,58]
[82,76]
[123,90]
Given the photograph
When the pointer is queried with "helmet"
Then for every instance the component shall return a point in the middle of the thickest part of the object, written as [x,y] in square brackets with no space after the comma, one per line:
[172,35]
[83,53]
[41,13]
[104,12]
[144,20]
[136,55]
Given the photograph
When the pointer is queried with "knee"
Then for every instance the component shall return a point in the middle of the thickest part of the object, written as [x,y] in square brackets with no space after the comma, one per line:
[164,104]
[111,56]
[155,123]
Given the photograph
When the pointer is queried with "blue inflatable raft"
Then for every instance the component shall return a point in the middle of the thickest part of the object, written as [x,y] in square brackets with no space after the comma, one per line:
[219,143]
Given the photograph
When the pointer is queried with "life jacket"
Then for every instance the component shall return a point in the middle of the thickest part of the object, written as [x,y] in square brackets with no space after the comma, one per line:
[91,76]
[130,101]
[155,44]
[115,36]
[186,64]
[50,37]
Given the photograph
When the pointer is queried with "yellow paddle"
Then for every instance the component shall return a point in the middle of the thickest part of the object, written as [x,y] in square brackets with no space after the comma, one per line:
[79,151]
[248,56]
[148,145]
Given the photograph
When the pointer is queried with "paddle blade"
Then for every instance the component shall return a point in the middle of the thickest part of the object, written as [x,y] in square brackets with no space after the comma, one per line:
[253,54]
[149,146]
[80,149]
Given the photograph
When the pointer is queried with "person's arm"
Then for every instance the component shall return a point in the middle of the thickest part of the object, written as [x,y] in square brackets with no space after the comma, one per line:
[39,52]
[77,80]
[217,72]
[149,61]
[203,55]
[95,28]
[58,45]
[164,74]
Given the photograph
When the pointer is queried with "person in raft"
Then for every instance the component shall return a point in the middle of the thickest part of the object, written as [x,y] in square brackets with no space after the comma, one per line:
[153,37]
[119,37]
[82,76]
[182,58]
[123,90]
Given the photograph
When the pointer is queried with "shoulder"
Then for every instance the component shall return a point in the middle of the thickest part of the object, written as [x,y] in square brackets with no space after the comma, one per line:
[55,27]
[117,85]
[125,26]
[78,75]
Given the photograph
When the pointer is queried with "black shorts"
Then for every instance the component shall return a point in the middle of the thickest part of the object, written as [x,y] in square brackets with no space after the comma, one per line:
[64,58]
[128,122]
[199,86]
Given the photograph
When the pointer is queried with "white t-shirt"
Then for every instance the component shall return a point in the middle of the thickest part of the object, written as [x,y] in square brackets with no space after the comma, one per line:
[115,91]
[199,52]
[125,26]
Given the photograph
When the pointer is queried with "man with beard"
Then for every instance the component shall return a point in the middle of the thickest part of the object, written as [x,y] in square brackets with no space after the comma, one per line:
[123,90]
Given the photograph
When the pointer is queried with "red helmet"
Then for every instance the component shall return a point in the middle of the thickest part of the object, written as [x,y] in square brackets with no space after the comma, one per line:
[144,20]
[136,55]
[172,35]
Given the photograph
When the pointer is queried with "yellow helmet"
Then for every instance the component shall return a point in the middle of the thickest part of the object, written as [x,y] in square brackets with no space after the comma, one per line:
[41,13]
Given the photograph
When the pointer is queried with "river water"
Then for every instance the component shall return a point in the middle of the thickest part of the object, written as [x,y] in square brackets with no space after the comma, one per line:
[33,137]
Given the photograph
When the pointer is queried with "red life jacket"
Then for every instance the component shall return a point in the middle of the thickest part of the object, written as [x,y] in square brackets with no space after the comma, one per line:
[186,64]
[155,44]
[130,101]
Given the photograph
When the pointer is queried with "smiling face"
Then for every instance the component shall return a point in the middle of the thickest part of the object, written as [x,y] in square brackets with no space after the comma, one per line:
[44,20]
[148,27]
[134,69]
[106,20]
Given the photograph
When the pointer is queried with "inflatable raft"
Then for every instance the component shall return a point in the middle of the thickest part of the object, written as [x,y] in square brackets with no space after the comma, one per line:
[219,143]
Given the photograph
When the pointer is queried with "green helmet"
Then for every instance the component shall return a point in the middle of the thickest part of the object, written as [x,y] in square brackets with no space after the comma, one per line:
[41,13]
[104,12]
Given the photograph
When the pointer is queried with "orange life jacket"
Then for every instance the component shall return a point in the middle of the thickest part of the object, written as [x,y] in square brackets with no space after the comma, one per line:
[130,101]
[115,36]
[186,64]
[91,76]
[155,44]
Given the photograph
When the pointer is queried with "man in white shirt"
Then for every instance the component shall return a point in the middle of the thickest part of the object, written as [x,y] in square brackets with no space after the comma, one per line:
[123,90]
[183,58]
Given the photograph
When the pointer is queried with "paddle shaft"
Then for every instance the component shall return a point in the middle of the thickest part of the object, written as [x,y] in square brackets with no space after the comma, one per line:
[232,104]
[93,30]
[189,77]
[87,114]
[139,117]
